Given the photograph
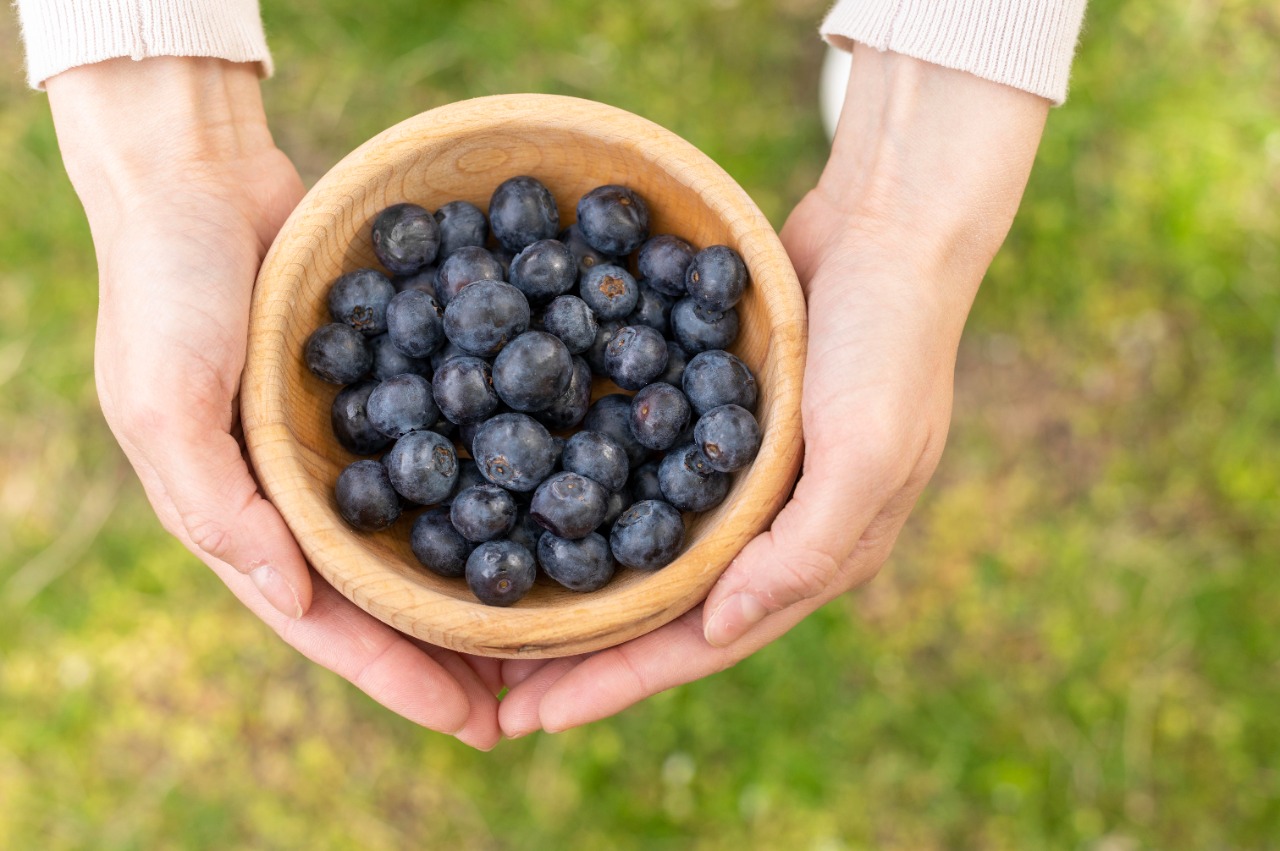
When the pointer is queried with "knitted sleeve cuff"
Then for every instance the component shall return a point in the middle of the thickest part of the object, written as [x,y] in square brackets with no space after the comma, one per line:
[1027,44]
[62,34]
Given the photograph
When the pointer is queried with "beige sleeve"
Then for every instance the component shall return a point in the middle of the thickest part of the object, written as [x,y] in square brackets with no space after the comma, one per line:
[61,34]
[1027,44]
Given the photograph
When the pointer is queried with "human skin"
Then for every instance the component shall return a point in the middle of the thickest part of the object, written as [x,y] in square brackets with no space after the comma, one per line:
[925,175]
[184,190]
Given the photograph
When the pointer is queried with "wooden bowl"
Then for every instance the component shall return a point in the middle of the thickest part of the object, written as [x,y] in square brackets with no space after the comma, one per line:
[463,151]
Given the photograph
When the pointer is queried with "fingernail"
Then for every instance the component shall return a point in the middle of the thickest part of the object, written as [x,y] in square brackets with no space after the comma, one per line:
[278,592]
[733,619]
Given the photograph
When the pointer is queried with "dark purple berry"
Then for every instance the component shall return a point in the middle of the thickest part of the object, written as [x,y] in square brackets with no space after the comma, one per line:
[483,512]
[594,355]
[697,329]
[569,318]
[389,361]
[461,225]
[648,535]
[652,309]
[619,501]
[584,254]
[717,278]
[644,482]
[663,261]
[609,291]
[499,573]
[579,565]
[526,532]
[659,414]
[521,212]
[613,220]
[439,546]
[402,404]
[572,405]
[337,353]
[463,390]
[406,237]
[424,279]
[714,378]
[423,467]
[612,415]
[360,300]
[532,371]
[514,451]
[569,505]
[597,456]
[676,362]
[544,270]
[351,422]
[446,353]
[365,497]
[635,357]
[728,436]
[415,323]
[687,481]
[485,316]
[464,267]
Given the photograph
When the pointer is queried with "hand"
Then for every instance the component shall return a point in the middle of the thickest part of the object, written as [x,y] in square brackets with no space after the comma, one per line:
[925,175]
[185,190]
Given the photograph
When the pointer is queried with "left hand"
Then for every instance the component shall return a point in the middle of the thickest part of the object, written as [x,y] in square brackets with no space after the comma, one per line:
[924,178]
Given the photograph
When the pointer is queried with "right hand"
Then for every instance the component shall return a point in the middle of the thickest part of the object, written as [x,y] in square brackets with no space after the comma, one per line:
[184,190]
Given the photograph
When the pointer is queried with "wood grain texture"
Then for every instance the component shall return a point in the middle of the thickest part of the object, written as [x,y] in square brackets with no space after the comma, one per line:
[463,151]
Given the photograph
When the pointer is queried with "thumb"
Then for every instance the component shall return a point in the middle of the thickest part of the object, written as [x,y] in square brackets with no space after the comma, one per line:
[226,517]
[806,551]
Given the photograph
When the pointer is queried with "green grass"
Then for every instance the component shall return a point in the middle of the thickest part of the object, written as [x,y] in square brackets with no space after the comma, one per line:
[1074,646]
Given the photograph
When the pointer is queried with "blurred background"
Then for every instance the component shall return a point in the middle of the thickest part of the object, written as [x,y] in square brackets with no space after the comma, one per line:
[1075,645]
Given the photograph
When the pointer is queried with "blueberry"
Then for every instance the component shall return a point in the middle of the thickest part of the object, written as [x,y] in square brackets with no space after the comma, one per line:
[513,451]
[728,436]
[572,405]
[406,237]
[697,329]
[584,254]
[439,546]
[504,258]
[485,316]
[652,309]
[717,278]
[569,505]
[644,482]
[351,422]
[423,467]
[687,481]
[389,361]
[463,390]
[526,532]
[619,501]
[659,414]
[521,212]
[468,476]
[597,456]
[635,357]
[569,318]
[444,428]
[714,378]
[609,291]
[499,573]
[663,261]
[337,353]
[360,299]
[648,535]
[461,225]
[424,279]
[446,353]
[483,513]
[613,220]
[365,496]
[595,353]
[532,371]
[544,270]
[466,266]
[676,362]
[581,565]
[402,404]
[415,323]
[612,415]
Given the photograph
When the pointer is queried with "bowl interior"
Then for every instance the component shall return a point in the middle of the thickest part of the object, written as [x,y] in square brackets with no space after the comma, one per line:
[464,152]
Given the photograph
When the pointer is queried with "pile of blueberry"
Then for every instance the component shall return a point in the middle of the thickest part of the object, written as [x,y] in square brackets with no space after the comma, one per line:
[486,336]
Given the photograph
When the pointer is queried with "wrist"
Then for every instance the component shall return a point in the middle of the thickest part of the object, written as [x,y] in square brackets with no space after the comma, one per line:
[932,158]
[126,125]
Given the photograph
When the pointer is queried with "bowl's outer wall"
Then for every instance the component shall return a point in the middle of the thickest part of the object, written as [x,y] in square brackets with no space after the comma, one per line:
[463,151]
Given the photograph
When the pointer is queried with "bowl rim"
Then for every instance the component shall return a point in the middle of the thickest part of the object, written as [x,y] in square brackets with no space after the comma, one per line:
[520,632]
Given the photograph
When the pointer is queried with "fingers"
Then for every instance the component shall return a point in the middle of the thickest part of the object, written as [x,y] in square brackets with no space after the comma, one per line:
[226,518]
[519,711]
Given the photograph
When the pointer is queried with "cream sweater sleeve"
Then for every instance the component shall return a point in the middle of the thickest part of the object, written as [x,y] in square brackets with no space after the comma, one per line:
[61,34]
[1027,44]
